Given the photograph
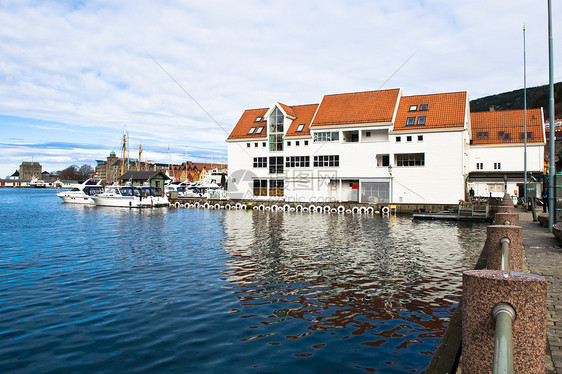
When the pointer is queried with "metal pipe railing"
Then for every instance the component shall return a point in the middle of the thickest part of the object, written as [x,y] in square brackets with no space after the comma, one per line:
[504,315]
[505,254]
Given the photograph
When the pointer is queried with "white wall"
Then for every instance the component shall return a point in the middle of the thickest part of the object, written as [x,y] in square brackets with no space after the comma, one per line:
[510,156]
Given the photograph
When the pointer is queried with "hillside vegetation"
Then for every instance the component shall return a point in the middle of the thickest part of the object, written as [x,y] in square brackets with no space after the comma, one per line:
[536,97]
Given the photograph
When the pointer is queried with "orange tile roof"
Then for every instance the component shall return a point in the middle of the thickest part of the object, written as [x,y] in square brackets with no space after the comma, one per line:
[304,115]
[246,122]
[290,112]
[445,110]
[506,127]
[357,108]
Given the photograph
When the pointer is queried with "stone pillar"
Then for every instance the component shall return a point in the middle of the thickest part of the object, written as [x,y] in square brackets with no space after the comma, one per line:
[493,246]
[501,218]
[526,293]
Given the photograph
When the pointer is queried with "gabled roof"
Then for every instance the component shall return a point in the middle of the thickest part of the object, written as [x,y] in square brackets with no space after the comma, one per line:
[246,122]
[506,127]
[303,115]
[444,111]
[141,175]
[287,109]
[357,108]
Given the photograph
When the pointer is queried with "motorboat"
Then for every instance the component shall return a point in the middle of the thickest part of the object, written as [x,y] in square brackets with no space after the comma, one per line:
[81,193]
[131,197]
[37,183]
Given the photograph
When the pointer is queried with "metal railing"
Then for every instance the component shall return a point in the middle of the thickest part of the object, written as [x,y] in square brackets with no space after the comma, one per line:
[504,315]
[505,254]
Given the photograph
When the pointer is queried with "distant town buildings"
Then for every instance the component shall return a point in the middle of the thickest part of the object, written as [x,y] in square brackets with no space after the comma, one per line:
[30,170]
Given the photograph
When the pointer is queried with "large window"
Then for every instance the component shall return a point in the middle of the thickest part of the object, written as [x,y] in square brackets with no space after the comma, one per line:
[260,162]
[410,159]
[276,165]
[326,161]
[330,136]
[297,162]
[276,120]
[375,192]
[260,187]
[276,187]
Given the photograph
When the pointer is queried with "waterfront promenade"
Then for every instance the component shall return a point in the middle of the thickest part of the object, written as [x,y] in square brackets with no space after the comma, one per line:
[544,257]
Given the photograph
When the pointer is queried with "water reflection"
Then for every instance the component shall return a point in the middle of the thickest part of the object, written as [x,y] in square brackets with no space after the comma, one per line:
[389,284]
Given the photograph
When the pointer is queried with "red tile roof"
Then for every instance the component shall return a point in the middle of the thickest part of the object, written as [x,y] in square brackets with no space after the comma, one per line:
[445,110]
[303,114]
[246,122]
[506,127]
[357,108]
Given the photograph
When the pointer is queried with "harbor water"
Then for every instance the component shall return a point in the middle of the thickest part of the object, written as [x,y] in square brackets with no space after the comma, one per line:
[87,289]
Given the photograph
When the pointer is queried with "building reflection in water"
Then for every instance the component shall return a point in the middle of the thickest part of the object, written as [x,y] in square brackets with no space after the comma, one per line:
[392,282]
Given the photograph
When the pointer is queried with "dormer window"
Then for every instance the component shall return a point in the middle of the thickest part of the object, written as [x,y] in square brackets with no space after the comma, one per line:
[252,130]
[258,119]
[410,121]
[421,120]
[413,108]
[300,128]
[259,130]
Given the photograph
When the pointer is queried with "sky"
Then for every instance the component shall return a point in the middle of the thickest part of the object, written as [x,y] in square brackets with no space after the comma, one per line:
[176,76]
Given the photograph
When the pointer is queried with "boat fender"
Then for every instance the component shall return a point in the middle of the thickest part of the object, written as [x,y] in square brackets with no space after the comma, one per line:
[244,207]
[385,210]
[341,209]
[305,209]
[274,207]
[292,209]
[299,208]
[327,208]
[286,207]
[177,204]
[238,206]
[355,210]
[319,209]
[267,208]
[363,210]
[206,206]
[227,206]
[370,210]
[217,206]
[311,208]
[196,205]
[348,210]
[334,210]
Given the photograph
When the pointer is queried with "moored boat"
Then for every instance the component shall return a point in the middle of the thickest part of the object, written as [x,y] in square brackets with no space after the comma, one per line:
[81,193]
[131,197]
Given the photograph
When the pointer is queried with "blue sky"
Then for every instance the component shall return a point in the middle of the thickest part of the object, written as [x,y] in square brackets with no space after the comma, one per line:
[74,75]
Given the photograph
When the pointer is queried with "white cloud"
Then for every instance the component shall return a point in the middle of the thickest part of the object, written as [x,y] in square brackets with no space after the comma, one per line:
[89,65]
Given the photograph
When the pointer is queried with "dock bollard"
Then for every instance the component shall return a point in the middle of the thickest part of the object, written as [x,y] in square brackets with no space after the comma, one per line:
[501,218]
[526,294]
[493,246]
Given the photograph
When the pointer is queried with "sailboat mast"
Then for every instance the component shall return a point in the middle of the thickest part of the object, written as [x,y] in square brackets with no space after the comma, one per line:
[124,150]
[140,152]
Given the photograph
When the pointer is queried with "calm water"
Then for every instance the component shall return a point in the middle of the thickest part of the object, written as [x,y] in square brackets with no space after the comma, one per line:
[86,289]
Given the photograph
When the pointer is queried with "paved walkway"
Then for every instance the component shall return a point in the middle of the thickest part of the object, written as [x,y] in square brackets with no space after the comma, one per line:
[544,257]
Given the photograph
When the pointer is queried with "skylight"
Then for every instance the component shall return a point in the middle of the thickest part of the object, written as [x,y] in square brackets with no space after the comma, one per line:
[300,128]
[410,121]
[259,130]
[413,108]
[258,119]
[423,107]
[252,130]
[421,120]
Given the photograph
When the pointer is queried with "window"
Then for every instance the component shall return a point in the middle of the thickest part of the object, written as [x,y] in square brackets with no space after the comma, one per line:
[423,107]
[263,144]
[408,138]
[507,136]
[300,128]
[529,135]
[500,134]
[259,130]
[252,130]
[326,161]
[306,142]
[421,120]
[260,162]
[410,121]
[297,162]
[479,166]
[258,119]
[288,144]
[260,187]
[276,187]
[332,136]
[413,108]
[410,159]
[256,145]
[247,145]
[367,134]
[482,134]
[497,165]
[398,139]
[420,138]
[297,143]
[276,165]
[383,160]
[276,121]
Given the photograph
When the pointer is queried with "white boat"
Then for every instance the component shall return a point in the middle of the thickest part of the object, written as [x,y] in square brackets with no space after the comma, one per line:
[81,193]
[37,183]
[131,197]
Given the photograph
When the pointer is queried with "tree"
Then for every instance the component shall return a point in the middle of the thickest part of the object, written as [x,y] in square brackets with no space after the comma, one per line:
[86,171]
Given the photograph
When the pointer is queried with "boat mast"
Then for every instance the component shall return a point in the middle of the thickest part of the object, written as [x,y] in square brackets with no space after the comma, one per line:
[124,150]
[140,152]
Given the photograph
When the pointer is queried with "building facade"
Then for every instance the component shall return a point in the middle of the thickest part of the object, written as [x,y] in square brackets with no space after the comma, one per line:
[372,147]
[29,170]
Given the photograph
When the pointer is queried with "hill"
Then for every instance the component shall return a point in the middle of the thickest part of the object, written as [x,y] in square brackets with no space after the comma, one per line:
[536,97]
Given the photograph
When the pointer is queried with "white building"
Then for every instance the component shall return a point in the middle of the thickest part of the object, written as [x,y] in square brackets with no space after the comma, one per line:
[497,152]
[369,147]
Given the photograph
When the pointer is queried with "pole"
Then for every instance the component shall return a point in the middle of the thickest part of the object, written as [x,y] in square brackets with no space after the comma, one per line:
[525,115]
[551,169]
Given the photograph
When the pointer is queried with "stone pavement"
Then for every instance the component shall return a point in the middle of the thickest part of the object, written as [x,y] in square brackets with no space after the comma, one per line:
[544,257]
